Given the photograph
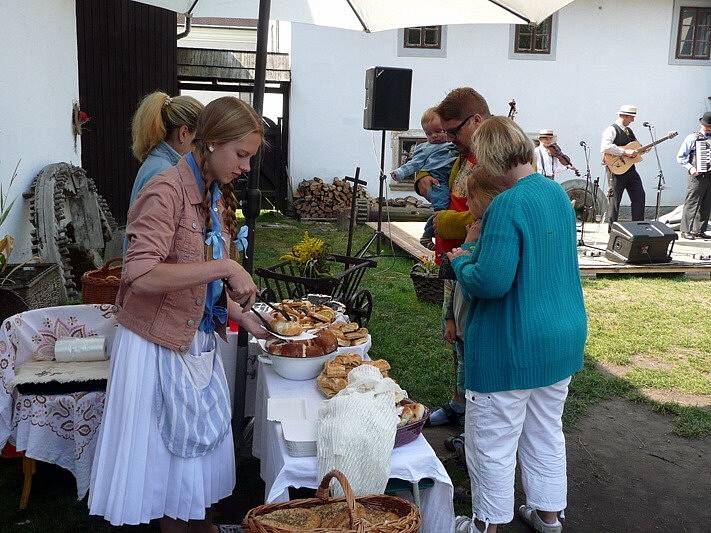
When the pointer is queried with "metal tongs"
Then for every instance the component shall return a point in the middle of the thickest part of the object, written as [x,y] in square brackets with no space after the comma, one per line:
[267,325]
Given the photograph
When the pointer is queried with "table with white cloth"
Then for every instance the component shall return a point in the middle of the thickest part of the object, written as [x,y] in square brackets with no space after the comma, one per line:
[59,428]
[413,462]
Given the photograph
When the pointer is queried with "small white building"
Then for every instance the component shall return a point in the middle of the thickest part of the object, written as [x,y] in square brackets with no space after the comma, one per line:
[600,54]
[38,86]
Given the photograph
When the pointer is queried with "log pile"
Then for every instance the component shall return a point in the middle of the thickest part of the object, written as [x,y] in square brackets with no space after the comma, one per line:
[316,200]
[407,201]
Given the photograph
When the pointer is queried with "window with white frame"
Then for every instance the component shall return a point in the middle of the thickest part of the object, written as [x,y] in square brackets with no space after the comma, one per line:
[534,41]
[690,42]
[534,38]
[423,37]
[693,39]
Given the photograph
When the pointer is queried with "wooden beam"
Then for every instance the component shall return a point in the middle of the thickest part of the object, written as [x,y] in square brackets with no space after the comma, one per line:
[402,239]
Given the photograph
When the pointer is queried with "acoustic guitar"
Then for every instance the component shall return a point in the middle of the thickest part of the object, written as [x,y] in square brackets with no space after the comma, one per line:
[619,164]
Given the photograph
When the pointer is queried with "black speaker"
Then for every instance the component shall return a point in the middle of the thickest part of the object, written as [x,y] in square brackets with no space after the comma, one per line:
[387,98]
[640,242]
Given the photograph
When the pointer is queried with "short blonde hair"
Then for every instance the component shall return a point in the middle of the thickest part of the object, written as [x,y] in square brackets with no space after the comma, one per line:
[500,145]
[484,187]
[429,115]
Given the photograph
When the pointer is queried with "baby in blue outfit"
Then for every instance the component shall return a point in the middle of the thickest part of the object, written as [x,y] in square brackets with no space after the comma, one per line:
[436,156]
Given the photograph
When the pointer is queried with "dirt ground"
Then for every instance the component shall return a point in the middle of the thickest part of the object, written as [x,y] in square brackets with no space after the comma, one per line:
[627,472]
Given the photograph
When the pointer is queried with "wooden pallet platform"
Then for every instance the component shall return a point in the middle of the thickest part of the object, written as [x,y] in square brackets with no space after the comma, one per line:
[692,258]
[405,235]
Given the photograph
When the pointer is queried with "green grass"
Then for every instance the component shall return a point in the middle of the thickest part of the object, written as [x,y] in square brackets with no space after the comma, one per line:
[634,323]
[406,331]
[656,330]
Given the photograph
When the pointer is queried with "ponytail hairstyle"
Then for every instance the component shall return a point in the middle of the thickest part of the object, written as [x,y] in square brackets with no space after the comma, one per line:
[225,119]
[159,114]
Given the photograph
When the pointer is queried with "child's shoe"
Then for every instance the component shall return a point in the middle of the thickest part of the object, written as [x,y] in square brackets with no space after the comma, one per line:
[427,242]
[529,515]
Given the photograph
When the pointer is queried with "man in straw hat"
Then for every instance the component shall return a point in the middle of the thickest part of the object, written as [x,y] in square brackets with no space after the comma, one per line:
[614,138]
[547,164]
[697,205]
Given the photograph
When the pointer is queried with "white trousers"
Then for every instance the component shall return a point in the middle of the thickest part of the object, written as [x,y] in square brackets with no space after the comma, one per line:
[497,424]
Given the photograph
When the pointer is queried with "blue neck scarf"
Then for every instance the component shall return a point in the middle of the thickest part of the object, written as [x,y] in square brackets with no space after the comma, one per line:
[214,312]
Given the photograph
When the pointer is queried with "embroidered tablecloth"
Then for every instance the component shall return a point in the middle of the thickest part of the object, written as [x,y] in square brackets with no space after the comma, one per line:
[59,429]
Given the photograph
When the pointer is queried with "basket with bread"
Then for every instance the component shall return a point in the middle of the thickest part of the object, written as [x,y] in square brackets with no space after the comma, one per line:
[375,513]
[334,378]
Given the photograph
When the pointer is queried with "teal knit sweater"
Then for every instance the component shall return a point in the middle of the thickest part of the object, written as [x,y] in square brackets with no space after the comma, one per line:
[528,326]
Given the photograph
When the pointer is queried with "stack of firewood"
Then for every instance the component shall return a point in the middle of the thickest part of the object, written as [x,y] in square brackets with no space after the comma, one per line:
[407,201]
[315,199]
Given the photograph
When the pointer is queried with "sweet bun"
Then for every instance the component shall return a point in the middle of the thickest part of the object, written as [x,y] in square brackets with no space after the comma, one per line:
[324,343]
[287,328]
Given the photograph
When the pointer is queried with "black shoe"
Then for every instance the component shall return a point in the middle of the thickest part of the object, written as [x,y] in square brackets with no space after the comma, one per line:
[701,236]
[688,236]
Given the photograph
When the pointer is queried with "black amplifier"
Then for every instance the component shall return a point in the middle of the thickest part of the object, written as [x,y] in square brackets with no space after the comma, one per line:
[640,242]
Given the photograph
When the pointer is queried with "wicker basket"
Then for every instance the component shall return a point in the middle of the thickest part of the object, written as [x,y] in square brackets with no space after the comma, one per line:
[409,521]
[428,287]
[101,286]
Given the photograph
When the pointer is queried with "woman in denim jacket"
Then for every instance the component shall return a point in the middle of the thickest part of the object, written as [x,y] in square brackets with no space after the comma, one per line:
[165,445]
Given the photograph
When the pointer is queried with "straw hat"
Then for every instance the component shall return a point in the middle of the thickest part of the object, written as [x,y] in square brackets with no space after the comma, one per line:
[628,110]
[545,133]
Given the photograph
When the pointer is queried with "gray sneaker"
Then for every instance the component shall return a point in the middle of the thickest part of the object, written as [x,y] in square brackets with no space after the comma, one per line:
[464,524]
[529,515]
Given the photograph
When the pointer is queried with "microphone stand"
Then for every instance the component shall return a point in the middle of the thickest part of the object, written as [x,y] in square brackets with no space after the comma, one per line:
[588,179]
[660,176]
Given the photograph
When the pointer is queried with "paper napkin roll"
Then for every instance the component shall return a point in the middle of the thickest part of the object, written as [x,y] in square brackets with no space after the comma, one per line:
[80,349]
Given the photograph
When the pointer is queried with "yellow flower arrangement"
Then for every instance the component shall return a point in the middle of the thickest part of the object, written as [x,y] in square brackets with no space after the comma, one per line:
[309,256]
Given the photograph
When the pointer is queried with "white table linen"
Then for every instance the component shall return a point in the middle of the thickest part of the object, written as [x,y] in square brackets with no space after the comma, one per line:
[412,462]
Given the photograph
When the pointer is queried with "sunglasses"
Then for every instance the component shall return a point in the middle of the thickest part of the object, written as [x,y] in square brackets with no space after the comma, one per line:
[453,132]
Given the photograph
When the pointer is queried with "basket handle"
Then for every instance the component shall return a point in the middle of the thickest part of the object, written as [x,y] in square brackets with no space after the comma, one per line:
[110,262]
[323,493]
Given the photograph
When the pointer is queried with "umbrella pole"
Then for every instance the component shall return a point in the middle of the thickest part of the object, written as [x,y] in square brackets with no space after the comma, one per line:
[250,209]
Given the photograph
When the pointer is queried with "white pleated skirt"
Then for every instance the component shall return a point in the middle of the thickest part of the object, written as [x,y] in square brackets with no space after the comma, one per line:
[135,478]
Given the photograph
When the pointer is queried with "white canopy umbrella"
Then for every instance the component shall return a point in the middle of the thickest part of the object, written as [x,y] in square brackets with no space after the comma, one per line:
[375,15]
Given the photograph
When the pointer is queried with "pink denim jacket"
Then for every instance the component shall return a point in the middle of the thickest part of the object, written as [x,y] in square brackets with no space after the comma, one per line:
[166,224]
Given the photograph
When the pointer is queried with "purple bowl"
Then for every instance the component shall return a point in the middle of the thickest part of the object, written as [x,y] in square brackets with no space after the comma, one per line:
[407,433]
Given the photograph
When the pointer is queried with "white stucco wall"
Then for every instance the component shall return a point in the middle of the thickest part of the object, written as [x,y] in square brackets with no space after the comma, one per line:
[608,53]
[38,84]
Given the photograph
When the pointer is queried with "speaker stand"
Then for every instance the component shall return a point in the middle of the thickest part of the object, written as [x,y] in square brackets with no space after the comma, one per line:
[378,235]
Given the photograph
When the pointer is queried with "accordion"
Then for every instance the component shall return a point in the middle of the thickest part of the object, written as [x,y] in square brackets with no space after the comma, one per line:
[703,156]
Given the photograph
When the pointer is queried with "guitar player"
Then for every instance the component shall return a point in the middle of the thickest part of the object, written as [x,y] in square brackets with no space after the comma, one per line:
[614,138]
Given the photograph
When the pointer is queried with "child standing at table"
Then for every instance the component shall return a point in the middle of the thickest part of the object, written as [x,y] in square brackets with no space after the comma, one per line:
[436,156]
[482,188]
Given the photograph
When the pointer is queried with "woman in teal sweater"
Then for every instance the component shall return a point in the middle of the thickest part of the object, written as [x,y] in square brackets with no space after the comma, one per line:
[524,339]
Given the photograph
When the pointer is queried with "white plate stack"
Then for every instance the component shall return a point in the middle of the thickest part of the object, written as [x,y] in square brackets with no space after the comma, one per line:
[298,423]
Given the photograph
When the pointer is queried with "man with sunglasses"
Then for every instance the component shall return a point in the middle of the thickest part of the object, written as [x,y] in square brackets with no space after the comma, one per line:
[461,112]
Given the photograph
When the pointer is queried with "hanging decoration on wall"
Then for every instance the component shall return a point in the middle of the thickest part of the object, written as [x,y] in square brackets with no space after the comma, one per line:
[79,118]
